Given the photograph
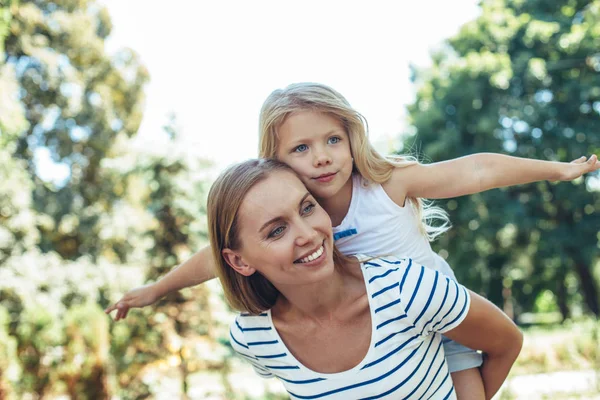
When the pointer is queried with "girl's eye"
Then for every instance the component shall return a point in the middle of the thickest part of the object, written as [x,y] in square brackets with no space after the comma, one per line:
[334,140]
[301,148]
[276,232]
[308,208]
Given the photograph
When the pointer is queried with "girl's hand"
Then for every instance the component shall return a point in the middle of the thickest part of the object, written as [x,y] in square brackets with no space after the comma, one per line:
[139,297]
[580,166]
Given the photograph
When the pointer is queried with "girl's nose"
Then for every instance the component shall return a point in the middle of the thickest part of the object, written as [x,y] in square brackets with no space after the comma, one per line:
[322,158]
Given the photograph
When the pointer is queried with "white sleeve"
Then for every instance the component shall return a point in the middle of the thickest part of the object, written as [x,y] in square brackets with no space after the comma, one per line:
[444,267]
[433,301]
[239,344]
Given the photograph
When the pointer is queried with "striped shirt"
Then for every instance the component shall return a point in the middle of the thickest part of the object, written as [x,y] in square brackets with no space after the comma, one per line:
[409,306]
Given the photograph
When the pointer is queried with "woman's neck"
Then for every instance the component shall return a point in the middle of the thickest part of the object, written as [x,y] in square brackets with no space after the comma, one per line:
[337,206]
[318,300]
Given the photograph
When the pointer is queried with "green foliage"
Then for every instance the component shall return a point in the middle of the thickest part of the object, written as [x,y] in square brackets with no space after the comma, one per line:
[38,334]
[86,377]
[78,100]
[5,17]
[570,346]
[117,217]
[8,356]
[521,79]
[18,231]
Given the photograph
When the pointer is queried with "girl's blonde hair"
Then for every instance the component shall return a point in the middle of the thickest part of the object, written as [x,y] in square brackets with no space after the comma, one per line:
[254,293]
[371,165]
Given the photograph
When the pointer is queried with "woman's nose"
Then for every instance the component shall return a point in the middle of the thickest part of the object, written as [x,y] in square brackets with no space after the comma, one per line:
[307,234]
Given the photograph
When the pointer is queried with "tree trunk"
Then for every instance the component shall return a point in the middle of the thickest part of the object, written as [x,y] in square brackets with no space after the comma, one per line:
[561,297]
[495,291]
[588,286]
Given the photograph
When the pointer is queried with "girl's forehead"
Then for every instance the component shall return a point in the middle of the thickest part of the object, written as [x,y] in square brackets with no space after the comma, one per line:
[308,122]
[312,113]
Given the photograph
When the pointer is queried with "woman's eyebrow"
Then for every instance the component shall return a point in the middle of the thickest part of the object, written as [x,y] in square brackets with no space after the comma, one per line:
[303,198]
[269,222]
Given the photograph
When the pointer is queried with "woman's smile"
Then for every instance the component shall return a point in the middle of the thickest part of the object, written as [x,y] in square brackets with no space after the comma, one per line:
[314,258]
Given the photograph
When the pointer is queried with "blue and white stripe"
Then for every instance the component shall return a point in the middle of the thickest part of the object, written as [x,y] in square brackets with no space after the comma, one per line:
[410,306]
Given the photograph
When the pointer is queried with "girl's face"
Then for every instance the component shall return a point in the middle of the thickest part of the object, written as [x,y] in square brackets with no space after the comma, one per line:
[317,147]
[285,234]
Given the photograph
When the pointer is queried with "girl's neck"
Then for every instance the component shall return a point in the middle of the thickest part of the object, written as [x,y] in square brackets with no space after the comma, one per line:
[337,206]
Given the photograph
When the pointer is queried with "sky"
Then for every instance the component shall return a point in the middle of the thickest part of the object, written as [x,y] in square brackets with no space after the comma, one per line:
[212,63]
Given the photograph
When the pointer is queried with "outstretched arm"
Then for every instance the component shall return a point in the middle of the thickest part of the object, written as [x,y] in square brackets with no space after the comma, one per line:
[198,269]
[488,329]
[479,172]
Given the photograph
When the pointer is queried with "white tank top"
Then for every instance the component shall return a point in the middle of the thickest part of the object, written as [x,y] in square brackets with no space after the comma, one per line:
[377,226]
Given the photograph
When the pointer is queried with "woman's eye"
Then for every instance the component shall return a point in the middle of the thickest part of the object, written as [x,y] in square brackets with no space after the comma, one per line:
[277,231]
[308,208]
[334,140]
[301,148]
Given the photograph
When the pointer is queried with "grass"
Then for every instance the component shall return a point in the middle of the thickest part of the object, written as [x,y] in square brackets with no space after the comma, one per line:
[568,346]
[552,348]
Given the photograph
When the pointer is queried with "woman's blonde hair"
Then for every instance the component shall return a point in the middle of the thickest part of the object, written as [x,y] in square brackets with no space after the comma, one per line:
[254,293]
[371,165]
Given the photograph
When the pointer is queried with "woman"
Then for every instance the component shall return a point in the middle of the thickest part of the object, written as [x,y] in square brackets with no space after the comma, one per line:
[335,327]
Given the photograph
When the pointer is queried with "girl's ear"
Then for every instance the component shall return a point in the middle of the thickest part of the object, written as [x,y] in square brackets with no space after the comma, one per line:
[236,262]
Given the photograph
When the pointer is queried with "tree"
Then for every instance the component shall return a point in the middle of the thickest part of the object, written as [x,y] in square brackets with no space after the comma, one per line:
[108,216]
[161,183]
[17,228]
[78,100]
[5,17]
[522,79]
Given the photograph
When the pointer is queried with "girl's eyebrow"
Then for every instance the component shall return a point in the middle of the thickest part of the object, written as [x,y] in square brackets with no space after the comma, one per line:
[297,142]
[269,222]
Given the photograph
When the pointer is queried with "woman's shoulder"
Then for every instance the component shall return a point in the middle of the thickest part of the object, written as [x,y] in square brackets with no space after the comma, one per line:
[388,270]
[386,259]
[248,327]
[383,264]
[246,322]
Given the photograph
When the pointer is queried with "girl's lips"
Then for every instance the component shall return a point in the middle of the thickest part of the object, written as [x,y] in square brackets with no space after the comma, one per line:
[326,178]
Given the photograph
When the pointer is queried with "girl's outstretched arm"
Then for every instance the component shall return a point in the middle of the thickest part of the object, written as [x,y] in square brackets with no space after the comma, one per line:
[479,172]
[488,329]
[198,269]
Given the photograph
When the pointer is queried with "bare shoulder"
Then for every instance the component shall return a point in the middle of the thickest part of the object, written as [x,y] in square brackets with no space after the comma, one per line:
[352,267]
[354,280]
[399,184]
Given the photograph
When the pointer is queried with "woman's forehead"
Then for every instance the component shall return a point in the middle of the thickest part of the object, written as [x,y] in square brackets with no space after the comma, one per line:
[280,190]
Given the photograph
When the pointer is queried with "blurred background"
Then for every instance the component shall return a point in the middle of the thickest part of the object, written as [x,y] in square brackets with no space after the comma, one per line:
[115,116]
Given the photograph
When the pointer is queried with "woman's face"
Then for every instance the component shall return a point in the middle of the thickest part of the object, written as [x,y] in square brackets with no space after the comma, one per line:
[284,234]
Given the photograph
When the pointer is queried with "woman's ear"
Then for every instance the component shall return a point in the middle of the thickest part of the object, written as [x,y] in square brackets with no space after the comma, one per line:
[236,262]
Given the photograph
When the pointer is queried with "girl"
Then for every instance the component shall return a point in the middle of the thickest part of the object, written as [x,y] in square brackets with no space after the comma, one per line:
[337,327]
[313,129]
